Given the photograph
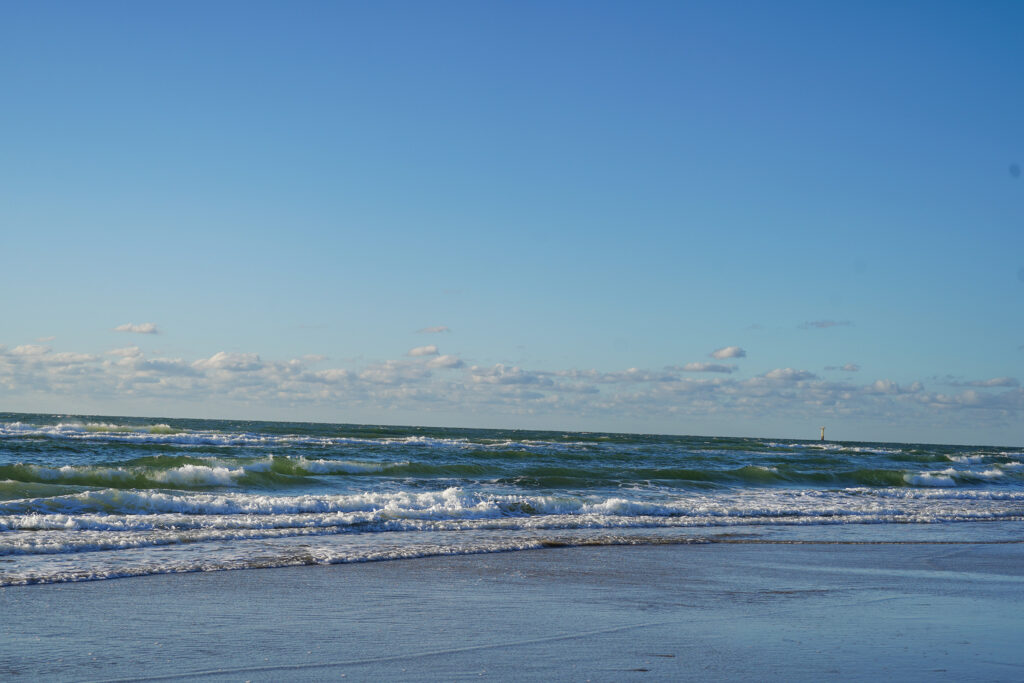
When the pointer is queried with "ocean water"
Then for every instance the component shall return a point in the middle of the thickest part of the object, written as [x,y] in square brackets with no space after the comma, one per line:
[87,497]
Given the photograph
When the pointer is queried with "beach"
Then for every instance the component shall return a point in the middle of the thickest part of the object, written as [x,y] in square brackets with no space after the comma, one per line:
[135,549]
[718,611]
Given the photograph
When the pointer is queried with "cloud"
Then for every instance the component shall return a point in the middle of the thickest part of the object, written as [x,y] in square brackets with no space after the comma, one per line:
[698,392]
[394,373]
[849,367]
[45,340]
[501,374]
[446,361]
[433,330]
[142,328]
[162,366]
[994,382]
[708,367]
[430,350]
[126,352]
[728,352]
[30,350]
[334,375]
[887,386]
[632,375]
[823,324]
[230,362]
[789,375]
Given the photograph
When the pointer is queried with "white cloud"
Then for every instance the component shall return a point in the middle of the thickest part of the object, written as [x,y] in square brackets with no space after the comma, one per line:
[436,382]
[708,367]
[849,367]
[230,361]
[70,358]
[161,366]
[394,372]
[887,386]
[30,350]
[728,352]
[446,361]
[334,376]
[437,329]
[994,382]
[45,340]
[789,375]
[430,350]
[501,374]
[631,375]
[142,328]
[126,352]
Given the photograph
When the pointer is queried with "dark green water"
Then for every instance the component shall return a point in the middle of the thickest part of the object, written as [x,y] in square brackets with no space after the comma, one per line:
[85,497]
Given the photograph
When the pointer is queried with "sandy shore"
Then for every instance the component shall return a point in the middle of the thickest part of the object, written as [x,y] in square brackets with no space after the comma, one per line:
[696,612]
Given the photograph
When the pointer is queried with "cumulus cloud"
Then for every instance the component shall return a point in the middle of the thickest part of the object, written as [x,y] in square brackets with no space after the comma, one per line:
[789,375]
[334,375]
[126,352]
[162,366]
[142,328]
[445,361]
[437,329]
[502,374]
[30,350]
[394,372]
[823,324]
[728,352]
[436,382]
[887,386]
[430,350]
[708,367]
[230,361]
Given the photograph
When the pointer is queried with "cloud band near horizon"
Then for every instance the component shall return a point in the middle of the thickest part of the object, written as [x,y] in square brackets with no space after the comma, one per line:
[429,381]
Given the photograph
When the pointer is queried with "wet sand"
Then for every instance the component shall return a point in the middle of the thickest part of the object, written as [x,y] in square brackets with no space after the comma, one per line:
[693,612]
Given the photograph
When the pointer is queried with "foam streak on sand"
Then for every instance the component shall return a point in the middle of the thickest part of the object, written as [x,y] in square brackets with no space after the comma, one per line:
[88,498]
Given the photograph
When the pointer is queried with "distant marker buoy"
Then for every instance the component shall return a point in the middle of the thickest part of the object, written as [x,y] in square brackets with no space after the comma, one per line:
[822,433]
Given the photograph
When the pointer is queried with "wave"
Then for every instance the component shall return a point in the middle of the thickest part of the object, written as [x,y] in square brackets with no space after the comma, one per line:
[269,472]
[113,509]
[189,473]
[288,556]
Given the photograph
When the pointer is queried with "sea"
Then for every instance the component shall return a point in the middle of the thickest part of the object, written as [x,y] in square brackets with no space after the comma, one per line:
[97,497]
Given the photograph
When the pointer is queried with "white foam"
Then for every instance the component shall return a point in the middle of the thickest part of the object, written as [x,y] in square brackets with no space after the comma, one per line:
[966,459]
[164,434]
[829,446]
[199,475]
[929,479]
[320,466]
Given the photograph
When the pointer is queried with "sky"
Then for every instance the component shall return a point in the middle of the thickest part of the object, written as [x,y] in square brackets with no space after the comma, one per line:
[712,218]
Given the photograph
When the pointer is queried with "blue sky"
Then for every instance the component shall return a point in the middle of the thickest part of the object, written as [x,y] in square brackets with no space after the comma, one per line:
[589,199]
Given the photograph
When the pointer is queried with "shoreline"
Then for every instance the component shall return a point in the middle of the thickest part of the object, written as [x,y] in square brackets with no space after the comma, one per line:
[719,611]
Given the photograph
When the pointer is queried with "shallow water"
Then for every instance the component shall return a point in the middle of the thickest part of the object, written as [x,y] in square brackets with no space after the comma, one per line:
[86,497]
